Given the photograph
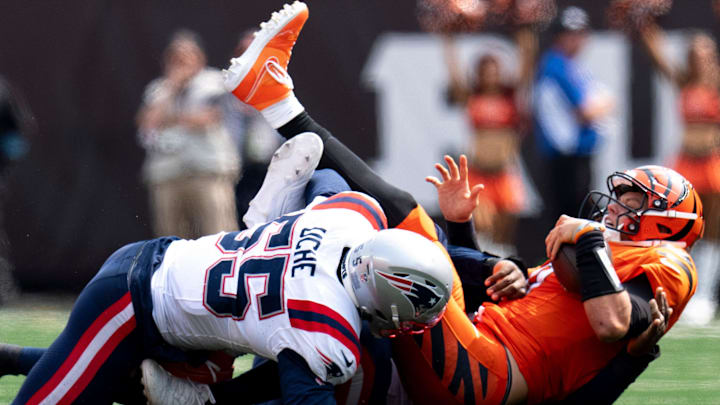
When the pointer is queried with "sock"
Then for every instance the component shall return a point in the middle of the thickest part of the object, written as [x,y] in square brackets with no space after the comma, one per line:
[283,111]
[301,123]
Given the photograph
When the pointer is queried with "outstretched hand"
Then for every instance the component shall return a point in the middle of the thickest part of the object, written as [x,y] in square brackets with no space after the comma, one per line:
[661,313]
[456,199]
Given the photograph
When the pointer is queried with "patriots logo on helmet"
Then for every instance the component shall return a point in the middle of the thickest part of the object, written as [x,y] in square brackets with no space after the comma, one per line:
[422,296]
[332,369]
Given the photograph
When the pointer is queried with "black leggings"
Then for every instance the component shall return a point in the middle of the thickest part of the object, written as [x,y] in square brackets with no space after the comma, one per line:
[396,203]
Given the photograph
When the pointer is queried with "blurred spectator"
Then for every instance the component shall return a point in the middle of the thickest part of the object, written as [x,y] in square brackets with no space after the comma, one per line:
[497,120]
[256,140]
[15,123]
[191,164]
[568,106]
[699,156]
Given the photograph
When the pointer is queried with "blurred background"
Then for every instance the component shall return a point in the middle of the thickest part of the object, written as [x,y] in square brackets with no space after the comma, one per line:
[395,81]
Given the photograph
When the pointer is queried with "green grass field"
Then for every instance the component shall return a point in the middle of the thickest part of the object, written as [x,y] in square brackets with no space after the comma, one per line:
[688,372]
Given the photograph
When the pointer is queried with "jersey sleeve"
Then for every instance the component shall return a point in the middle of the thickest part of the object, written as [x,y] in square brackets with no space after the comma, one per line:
[326,340]
[674,271]
[298,384]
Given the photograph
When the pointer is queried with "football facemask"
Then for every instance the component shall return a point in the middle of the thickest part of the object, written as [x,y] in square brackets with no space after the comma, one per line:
[399,281]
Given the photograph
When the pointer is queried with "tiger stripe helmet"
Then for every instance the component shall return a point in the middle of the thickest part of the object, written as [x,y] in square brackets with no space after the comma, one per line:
[673,210]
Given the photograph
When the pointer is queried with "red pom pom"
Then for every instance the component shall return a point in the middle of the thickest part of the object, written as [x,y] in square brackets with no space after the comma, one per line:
[537,13]
[633,15]
[451,16]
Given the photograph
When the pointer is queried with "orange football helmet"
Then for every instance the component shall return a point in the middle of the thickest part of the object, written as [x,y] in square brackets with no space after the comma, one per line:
[671,208]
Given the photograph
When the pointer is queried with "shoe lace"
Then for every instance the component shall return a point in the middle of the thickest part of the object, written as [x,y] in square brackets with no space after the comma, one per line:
[204,394]
[278,73]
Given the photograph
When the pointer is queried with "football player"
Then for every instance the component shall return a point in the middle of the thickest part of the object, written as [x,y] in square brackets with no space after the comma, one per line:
[644,262]
[294,290]
[549,343]
[457,361]
[373,384]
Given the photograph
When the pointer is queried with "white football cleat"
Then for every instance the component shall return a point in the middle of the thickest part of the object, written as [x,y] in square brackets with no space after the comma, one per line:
[163,388]
[283,190]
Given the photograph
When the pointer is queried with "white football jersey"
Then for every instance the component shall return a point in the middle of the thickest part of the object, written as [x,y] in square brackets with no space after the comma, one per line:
[271,287]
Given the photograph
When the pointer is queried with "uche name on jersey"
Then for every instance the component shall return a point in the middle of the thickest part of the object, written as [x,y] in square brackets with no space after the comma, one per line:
[306,248]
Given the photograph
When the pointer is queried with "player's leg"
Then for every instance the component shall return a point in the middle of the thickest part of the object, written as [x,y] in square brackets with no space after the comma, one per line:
[259,78]
[92,358]
[18,360]
[325,183]
[436,368]
[369,385]
[290,169]
[284,189]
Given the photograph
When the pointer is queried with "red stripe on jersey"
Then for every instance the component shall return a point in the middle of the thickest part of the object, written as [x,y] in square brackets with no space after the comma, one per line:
[359,203]
[82,344]
[309,316]
[311,326]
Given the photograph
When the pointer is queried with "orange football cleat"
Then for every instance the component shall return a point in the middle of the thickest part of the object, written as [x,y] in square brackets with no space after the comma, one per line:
[259,76]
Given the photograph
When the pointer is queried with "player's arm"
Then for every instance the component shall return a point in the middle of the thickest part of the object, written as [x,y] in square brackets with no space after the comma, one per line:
[299,385]
[607,304]
[607,386]
[265,375]
[484,276]
[289,379]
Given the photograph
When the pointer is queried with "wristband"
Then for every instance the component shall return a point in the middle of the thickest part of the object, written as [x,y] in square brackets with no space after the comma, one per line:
[585,227]
[597,274]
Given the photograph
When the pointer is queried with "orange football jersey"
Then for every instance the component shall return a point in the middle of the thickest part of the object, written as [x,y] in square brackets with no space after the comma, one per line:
[549,335]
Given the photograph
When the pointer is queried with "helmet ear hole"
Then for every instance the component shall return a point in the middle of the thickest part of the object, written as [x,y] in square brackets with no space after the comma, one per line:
[664,229]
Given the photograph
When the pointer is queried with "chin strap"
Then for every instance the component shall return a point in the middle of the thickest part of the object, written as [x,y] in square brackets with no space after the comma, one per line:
[395,316]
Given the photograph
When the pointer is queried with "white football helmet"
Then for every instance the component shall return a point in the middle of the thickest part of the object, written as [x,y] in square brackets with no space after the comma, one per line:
[399,280]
